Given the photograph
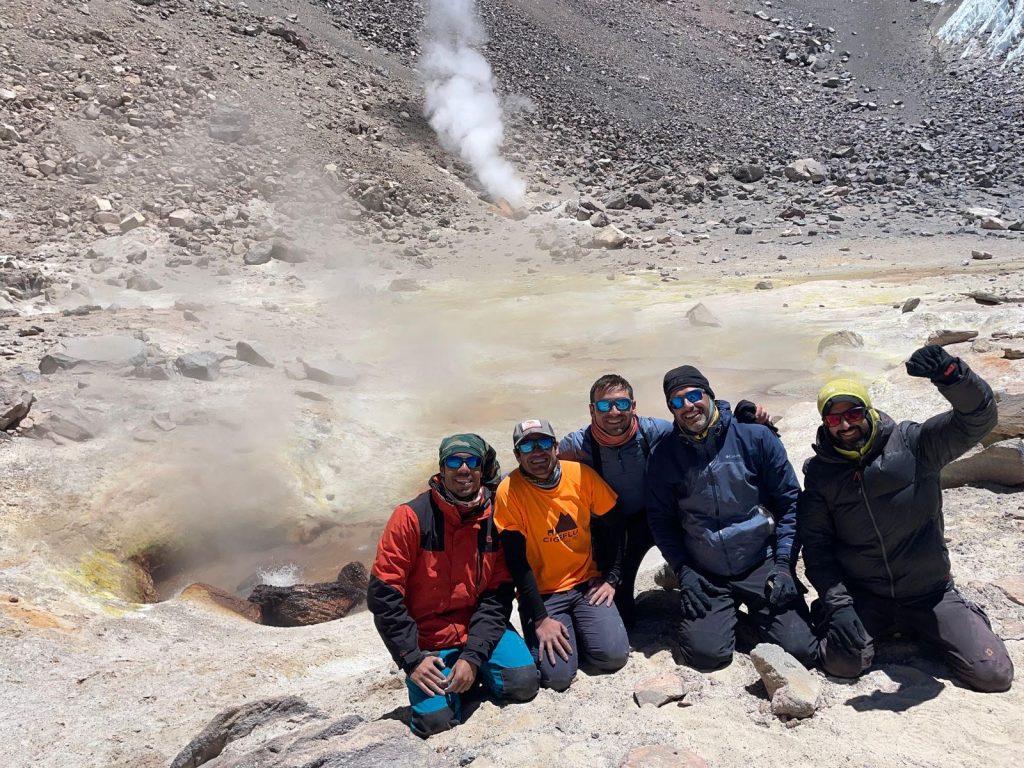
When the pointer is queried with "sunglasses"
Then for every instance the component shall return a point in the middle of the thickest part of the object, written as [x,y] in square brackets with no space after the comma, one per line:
[544,443]
[456,462]
[621,404]
[852,416]
[693,396]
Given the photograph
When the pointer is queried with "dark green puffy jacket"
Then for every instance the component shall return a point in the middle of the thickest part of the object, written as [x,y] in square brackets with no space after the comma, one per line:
[876,525]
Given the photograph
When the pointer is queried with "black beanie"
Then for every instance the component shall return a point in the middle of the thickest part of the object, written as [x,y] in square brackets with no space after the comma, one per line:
[685,376]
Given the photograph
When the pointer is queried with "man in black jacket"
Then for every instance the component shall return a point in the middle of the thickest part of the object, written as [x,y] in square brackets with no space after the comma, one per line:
[870,519]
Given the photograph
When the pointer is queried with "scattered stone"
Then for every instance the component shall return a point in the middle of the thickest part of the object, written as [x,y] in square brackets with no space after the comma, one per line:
[993,223]
[139,282]
[1001,463]
[662,756]
[204,366]
[259,253]
[748,173]
[101,351]
[132,221]
[806,170]
[1011,417]
[793,690]
[661,690]
[615,201]
[183,218]
[210,595]
[944,337]
[639,200]
[744,228]
[335,372]
[1015,352]
[609,237]
[910,305]
[599,219]
[840,339]
[763,285]
[247,354]
[981,255]
[236,723]
[702,316]
[69,426]
[14,406]
[288,252]
[1013,587]
[986,299]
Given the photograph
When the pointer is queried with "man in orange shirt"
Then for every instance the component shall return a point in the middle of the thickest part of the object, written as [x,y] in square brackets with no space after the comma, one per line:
[561,533]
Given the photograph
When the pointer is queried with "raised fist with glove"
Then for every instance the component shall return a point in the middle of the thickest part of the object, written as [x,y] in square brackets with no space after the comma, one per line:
[934,363]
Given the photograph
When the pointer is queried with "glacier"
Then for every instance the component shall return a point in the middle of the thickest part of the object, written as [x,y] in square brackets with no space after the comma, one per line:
[990,28]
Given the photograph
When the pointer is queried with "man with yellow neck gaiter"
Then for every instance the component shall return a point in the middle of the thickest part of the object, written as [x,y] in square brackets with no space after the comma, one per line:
[870,520]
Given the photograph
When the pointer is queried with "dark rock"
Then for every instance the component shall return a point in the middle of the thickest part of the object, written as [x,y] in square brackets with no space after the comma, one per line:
[639,200]
[840,339]
[615,201]
[204,366]
[247,354]
[139,282]
[336,372]
[910,305]
[259,253]
[744,228]
[237,723]
[288,252]
[748,173]
[14,406]
[304,604]
[945,336]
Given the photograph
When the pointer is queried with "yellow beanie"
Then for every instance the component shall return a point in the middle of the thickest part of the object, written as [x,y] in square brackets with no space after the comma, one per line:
[842,389]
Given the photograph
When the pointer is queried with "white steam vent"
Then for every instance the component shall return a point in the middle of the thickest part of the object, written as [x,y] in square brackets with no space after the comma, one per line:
[460,101]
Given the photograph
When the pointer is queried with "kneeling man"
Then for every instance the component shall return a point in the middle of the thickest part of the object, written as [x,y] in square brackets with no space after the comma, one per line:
[561,533]
[870,519]
[441,594]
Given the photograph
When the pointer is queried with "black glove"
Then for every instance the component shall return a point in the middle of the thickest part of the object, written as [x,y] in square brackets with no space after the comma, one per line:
[846,631]
[780,587]
[693,594]
[934,363]
[745,412]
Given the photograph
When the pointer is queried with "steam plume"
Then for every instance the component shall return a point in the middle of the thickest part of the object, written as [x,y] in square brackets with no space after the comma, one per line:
[460,101]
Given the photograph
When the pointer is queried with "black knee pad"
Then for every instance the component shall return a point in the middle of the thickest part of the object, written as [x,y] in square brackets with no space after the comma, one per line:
[430,723]
[990,677]
[520,683]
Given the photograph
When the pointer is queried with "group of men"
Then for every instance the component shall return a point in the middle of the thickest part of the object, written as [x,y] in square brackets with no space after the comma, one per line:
[713,489]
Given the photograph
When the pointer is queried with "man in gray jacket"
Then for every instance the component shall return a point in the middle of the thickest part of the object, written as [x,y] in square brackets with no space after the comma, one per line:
[870,520]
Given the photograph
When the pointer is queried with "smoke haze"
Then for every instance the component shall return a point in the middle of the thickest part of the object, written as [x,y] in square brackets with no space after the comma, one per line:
[460,101]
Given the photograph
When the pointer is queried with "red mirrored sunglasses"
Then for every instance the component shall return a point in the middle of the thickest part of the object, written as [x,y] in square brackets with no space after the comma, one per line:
[852,416]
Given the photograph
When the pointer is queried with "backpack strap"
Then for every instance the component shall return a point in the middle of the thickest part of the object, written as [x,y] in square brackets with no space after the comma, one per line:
[595,452]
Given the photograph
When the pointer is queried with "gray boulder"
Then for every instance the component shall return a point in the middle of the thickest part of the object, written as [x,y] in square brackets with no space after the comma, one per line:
[247,354]
[15,405]
[106,351]
[748,173]
[702,316]
[794,691]
[806,170]
[840,339]
[204,366]
[1001,463]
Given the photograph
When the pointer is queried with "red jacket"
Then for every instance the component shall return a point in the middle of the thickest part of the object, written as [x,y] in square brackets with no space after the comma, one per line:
[439,580]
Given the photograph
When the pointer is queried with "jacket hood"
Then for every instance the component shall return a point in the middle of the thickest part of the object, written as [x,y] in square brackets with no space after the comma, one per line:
[882,426]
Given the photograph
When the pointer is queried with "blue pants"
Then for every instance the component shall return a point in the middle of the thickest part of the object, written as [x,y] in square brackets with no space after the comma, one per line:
[510,674]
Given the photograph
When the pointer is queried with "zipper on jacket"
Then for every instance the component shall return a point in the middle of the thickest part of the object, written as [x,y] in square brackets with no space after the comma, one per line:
[878,533]
[718,510]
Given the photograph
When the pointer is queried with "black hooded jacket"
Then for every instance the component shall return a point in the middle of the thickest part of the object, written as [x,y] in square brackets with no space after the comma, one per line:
[876,525]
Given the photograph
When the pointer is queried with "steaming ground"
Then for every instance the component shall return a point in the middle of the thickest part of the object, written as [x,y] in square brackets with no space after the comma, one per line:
[440,316]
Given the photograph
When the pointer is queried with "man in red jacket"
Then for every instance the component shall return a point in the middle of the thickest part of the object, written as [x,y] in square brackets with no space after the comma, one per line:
[441,594]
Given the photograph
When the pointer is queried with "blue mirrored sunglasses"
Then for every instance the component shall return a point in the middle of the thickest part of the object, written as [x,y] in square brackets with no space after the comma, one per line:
[693,396]
[621,404]
[544,443]
[455,462]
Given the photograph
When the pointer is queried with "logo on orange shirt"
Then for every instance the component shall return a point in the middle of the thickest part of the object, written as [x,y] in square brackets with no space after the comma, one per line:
[566,528]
